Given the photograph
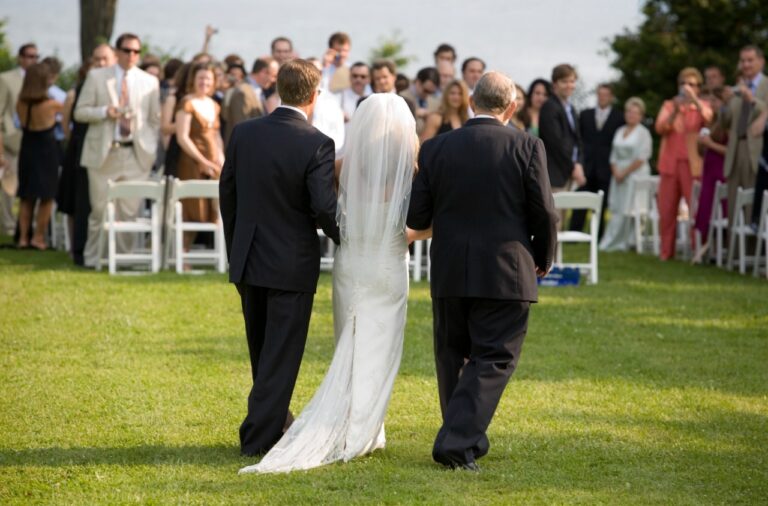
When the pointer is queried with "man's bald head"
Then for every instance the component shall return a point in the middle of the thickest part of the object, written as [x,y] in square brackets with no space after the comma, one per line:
[103,56]
[494,93]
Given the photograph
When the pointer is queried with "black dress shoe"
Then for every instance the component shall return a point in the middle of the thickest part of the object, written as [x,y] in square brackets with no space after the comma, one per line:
[456,464]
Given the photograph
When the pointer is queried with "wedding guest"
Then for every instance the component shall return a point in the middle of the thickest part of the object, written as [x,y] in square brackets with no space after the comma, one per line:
[360,77]
[240,103]
[714,78]
[168,118]
[678,123]
[202,150]
[66,195]
[452,113]
[335,69]
[538,93]
[383,74]
[103,56]
[597,128]
[445,53]
[516,120]
[559,129]
[282,50]
[121,105]
[55,92]
[423,94]
[38,155]
[168,83]
[447,73]
[10,132]
[263,78]
[714,143]
[743,107]
[472,70]
[152,65]
[402,83]
[630,151]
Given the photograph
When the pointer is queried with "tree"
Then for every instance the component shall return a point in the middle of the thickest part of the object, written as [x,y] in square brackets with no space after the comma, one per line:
[7,60]
[391,48]
[97,19]
[684,33]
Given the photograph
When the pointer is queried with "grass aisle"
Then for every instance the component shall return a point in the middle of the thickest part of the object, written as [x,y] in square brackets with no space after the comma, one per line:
[649,388]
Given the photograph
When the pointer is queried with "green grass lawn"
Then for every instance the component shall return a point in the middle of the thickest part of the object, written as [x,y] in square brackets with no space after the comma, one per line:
[649,388]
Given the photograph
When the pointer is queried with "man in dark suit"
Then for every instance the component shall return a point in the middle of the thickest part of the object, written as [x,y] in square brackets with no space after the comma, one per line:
[597,127]
[484,191]
[276,187]
[559,130]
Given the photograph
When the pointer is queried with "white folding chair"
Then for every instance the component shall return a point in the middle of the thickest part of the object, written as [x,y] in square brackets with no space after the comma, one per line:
[687,223]
[580,200]
[417,259]
[718,223]
[195,188]
[135,190]
[645,213]
[740,230]
[59,230]
[762,237]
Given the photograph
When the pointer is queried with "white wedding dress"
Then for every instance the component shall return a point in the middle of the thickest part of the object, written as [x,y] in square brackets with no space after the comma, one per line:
[345,418]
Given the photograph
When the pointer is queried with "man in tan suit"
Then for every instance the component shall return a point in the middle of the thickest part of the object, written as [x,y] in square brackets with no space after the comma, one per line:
[423,93]
[749,98]
[335,69]
[10,133]
[121,104]
[240,103]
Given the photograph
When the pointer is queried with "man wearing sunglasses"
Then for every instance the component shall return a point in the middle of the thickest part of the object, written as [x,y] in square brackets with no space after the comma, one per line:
[121,104]
[10,133]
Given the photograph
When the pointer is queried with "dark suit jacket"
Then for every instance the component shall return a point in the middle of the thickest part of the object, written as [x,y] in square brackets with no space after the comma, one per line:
[485,191]
[597,143]
[559,140]
[276,186]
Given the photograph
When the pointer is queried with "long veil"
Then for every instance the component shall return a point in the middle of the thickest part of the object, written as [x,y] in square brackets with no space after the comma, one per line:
[376,174]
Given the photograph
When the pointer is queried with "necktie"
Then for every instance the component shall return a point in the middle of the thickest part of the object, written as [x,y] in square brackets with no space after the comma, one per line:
[746,109]
[125,117]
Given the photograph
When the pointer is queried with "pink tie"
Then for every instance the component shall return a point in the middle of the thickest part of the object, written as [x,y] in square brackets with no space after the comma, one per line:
[125,119]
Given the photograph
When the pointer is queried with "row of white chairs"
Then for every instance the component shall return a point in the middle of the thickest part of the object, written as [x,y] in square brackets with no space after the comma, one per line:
[160,212]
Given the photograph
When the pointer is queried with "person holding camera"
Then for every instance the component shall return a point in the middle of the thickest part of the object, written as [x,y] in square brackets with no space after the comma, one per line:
[335,71]
[679,122]
[745,102]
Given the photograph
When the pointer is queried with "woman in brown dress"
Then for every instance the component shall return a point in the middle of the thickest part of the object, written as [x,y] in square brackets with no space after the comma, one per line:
[202,150]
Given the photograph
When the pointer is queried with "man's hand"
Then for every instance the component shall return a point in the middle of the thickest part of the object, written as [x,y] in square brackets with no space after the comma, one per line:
[578,174]
[113,112]
[541,273]
[746,93]
[329,57]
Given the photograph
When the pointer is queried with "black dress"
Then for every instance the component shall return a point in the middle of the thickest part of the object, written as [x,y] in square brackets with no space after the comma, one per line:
[444,127]
[67,196]
[38,163]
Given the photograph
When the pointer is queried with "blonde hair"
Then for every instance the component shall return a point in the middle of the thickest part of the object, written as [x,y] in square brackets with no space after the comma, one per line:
[690,72]
[635,102]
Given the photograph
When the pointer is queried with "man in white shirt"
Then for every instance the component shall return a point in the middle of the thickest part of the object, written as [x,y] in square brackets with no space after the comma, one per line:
[360,87]
[472,70]
[282,50]
[121,103]
[263,78]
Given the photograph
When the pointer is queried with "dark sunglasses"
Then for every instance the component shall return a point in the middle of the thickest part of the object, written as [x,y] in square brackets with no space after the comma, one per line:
[31,56]
[128,50]
[359,76]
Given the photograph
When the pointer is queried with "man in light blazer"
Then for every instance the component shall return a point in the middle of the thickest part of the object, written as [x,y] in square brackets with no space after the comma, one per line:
[10,132]
[121,103]
[743,153]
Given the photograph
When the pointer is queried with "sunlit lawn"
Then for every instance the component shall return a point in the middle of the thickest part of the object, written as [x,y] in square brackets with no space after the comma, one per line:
[647,388]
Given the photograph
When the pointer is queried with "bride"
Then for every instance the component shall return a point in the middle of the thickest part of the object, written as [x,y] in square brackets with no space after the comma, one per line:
[345,418]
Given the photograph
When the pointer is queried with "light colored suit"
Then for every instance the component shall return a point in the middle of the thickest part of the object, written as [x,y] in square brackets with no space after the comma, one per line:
[240,103]
[433,105]
[105,160]
[10,86]
[742,155]
[99,92]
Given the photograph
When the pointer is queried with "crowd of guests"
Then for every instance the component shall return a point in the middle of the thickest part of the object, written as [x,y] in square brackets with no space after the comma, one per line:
[130,115]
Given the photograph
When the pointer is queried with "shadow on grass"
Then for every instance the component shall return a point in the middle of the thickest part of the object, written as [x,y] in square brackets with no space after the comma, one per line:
[213,455]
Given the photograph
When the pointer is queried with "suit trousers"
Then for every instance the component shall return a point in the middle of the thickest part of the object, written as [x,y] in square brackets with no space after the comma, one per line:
[477,346]
[276,325]
[741,175]
[8,194]
[671,188]
[121,165]
[561,213]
